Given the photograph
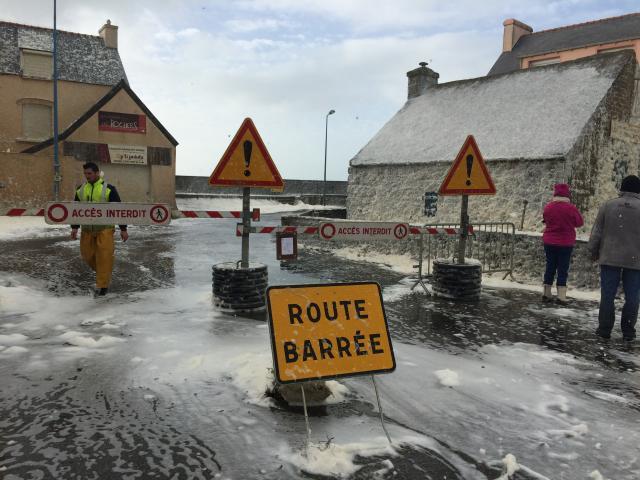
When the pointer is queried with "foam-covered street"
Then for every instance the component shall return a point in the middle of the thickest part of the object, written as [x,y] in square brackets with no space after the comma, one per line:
[153,382]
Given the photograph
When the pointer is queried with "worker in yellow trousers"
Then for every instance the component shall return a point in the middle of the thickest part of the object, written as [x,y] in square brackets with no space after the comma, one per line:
[96,241]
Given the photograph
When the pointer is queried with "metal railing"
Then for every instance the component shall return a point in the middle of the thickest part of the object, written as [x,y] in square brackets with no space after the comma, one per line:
[492,243]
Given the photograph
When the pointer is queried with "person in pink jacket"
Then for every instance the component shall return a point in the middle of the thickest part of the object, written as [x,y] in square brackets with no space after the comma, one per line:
[561,218]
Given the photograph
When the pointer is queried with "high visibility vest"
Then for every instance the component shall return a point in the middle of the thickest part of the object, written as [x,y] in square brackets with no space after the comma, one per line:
[94,192]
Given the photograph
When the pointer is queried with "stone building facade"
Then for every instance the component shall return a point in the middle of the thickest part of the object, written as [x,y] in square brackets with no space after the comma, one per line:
[559,105]
[92,91]
[567,122]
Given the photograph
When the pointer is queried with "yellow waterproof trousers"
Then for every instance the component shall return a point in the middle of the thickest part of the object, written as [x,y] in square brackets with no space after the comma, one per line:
[97,250]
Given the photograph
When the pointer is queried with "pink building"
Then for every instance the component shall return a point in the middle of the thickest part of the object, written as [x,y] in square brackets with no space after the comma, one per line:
[524,48]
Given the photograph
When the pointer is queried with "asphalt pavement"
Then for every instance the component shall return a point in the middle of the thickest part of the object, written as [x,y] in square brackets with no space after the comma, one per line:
[153,382]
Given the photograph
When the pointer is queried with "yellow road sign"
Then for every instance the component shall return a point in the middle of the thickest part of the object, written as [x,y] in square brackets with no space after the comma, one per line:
[468,175]
[246,162]
[328,331]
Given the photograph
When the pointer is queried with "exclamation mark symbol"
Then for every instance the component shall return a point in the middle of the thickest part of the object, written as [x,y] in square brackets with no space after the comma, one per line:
[248,146]
[469,167]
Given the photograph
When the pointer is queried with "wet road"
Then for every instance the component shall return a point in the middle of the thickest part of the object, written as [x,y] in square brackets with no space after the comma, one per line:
[152,382]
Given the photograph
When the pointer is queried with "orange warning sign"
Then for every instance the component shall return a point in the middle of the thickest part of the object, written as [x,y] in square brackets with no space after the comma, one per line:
[246,162]
[468,175]
[328,331]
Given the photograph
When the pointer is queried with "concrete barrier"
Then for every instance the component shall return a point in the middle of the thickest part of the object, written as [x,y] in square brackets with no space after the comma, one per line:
[307,191]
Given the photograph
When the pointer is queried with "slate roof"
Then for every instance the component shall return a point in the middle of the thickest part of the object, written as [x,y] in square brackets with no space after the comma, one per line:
[536,113]
[81,58]
[607,30]
[122,85]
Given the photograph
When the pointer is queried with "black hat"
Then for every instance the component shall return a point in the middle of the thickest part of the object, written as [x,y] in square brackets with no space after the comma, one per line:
[630,184]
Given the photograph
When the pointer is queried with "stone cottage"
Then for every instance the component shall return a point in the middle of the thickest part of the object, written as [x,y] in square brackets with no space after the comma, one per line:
[574,121]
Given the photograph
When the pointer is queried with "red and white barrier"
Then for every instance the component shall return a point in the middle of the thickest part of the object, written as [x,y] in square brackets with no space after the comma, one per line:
[315,230]
[438,231]
[39,212]
[278,228]
[255,214]
[23,212]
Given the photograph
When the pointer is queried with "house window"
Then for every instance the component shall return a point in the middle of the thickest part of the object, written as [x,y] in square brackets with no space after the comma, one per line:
[36,121]
[36,64]
[544,61]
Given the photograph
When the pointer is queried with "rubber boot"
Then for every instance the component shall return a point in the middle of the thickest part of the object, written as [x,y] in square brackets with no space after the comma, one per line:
[562,295]
[546,295]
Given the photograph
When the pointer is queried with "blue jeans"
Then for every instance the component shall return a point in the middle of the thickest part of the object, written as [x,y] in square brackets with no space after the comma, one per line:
[558,259]
[609,281]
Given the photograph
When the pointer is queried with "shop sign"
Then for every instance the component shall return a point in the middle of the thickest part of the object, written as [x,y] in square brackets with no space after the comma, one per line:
[128,154]
[122,122]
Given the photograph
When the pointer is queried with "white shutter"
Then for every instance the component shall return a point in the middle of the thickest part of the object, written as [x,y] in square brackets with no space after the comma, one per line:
[37,64]
[36,121]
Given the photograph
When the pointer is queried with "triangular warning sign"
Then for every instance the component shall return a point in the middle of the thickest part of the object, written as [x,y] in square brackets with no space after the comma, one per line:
[468,175]
[246,162]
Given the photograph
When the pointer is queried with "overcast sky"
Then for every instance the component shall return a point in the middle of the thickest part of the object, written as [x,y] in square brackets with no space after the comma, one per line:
[202,66]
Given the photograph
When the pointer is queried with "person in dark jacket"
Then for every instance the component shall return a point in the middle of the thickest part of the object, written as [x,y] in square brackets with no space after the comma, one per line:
[96,241]
[615,245]
[561,218]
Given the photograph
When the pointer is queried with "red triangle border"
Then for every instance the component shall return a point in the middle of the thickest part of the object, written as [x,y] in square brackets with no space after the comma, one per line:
[214,178]
[444,190]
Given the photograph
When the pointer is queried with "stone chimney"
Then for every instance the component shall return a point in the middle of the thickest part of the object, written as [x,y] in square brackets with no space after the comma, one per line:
[421,79]
[513,31]
[109,34]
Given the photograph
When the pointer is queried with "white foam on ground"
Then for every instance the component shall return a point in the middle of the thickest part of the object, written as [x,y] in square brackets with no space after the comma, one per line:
[404,264]
[16,228]
[393,293]
[13,339]
[339,392]
[510,467]
[81,339]
[397,263]
[338,459]
[495,280]
[447,377]
[251,373]
[230,204]
[14,350]
[512,397]
[607,397]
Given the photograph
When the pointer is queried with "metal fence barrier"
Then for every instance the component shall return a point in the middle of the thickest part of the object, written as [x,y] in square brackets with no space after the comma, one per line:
[491,243]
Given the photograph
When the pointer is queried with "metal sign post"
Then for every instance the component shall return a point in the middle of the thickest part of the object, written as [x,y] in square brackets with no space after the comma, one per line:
[246,225]
[306,417]
[464,229]
[419,266]
[375,387]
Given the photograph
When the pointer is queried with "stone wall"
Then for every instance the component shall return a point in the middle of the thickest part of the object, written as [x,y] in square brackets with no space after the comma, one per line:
[607,149]
[194,184]
[395,193]
[26,181]
[528,258]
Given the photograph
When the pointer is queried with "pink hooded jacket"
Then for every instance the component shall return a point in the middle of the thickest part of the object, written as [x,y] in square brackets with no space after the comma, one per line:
[561,218]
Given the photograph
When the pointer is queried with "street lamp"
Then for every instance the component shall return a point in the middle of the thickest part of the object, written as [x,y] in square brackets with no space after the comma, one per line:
[326,132]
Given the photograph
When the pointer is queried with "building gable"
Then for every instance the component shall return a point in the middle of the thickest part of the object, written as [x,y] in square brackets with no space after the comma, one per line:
[90,117]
